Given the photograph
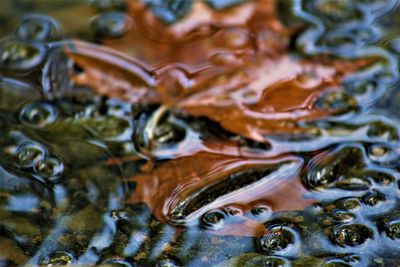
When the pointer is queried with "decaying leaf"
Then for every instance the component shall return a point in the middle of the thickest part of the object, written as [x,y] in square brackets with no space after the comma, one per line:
[236,72]
[181,190]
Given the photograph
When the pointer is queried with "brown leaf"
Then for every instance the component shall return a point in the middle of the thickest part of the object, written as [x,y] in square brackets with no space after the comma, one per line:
[218,175]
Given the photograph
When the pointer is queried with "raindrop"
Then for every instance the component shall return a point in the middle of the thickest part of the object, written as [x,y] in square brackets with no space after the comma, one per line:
[373,198]
[335,263]
[111,24]
[383,154]
[57,258]
[381,178]
[29,154]
[353,184]
[37,27]
[108,4]
[233,38]
[326,170]
[337,102]
[21,56]
[351,235]
[261,212]
[395,45]
[224,4]
[170,11]
[392,229]
[350,204]
[341,216]
[50,169]
[167,263]
[278,239]
[110,128]
[38,115]
[169,132]
[268,261]
[213,219]
[118,263]
[334,11]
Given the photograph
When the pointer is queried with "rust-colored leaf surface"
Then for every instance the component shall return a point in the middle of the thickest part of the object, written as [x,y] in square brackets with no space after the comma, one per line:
[249,83]
[233,67]
[180,190]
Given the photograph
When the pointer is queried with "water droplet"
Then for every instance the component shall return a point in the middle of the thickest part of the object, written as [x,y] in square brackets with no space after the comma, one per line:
[110,128]
[337,102]
[383,154]
[21,56]
[351,234]
[325,170]
[350,204]
[108,4]
[170,11]
[353,184]
[29,154]
[334,11]
[224,4]
[381,178]
[373,198]
[341,216]
[395,45]
[213,219]
[335,263]
[278,239]
[111,24]
[261,212]
[169,132]
[57,258]
[224,58]
[267,261]
[392,229]
[118,263]
[50,169]
[37,27]
[167,263]
[232,38]
[38,115]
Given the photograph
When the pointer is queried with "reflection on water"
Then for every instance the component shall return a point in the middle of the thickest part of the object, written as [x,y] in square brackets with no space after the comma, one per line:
[199,133]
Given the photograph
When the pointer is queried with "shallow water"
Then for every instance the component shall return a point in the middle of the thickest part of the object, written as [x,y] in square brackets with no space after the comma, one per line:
[204,133]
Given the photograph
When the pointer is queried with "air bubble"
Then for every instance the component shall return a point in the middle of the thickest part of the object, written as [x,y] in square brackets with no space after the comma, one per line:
[350,204]
[118,263]
[29,154]
[382,154]
[214,219]
[337,102]
[373,198]
[392,229]
[38,115]
[279,239]
[111,24]
[21,56]
[167,263]
[58,258]
[351,235]
[261,212]
[37,27]
[270,261]
[50,169]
